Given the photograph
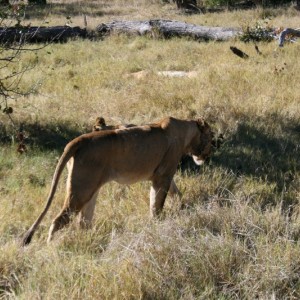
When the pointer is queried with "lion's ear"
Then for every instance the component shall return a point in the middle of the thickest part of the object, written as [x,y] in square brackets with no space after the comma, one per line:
[102,121]
[201,123]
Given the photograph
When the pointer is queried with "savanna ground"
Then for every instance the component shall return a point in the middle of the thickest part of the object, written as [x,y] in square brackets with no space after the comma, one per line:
[238,234]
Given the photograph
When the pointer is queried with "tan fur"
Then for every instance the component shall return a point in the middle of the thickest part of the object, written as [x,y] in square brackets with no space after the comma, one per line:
[151,152]
[100,124]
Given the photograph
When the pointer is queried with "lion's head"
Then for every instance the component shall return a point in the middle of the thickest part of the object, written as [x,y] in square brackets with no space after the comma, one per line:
[99,124]
[201,147]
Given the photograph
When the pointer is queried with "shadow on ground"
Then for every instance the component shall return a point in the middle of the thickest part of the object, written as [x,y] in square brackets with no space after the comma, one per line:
[68,10]
[44,137]
[253,150]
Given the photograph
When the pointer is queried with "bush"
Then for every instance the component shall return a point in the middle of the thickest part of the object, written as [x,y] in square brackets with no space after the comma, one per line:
[234,3]
[257,33]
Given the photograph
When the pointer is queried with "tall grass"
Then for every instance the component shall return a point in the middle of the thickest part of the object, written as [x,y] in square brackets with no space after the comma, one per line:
[237,235]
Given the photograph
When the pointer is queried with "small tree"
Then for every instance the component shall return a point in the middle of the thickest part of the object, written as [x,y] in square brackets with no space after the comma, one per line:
[38,2]
[4,2]
[11,74]
[186,4]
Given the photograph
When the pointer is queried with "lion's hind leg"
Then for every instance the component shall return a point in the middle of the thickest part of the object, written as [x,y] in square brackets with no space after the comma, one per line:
[87,212]
[80,191]
[59,222]
[74,204]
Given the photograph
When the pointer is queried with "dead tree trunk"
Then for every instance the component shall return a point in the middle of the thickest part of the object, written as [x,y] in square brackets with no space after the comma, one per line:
[156,28]
[40,34]
[167,29]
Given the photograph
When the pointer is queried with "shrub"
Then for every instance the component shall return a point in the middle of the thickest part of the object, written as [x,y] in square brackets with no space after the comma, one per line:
[257,33]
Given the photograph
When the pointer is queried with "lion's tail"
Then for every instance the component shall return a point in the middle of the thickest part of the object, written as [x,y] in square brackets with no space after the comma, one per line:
[69,151]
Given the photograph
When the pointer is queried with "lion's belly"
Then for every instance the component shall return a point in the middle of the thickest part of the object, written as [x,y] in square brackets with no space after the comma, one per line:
[129,180]
[132,176]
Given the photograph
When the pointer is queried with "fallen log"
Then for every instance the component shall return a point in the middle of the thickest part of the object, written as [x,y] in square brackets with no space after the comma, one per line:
[288,31]
[239,52]
[40,34]
[163,28]
[167,29]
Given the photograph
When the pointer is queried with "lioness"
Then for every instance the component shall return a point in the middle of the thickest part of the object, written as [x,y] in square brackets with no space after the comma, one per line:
[150,152]
[100,124]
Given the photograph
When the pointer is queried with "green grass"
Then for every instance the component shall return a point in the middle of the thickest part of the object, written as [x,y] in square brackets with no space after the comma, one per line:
[237,236]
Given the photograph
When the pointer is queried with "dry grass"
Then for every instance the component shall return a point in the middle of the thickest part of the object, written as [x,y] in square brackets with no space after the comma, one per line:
[97,12]
[238,235]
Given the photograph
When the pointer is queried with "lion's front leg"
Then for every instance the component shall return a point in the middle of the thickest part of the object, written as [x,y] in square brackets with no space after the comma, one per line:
[174,191]
[158,194]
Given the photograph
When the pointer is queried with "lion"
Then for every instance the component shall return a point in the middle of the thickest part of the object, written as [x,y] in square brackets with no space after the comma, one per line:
[128,155]
[100,124]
